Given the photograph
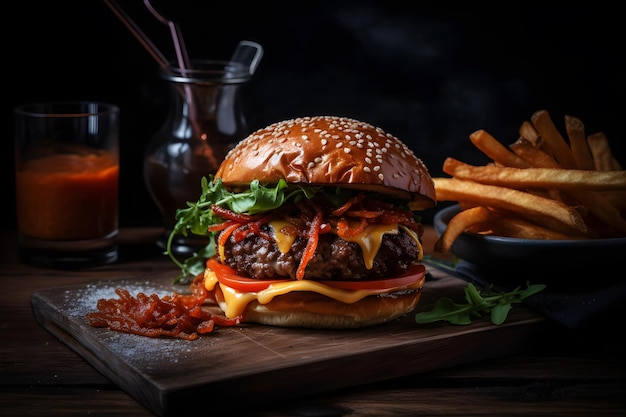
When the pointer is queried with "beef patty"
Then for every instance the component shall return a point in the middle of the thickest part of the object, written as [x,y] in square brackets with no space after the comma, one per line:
[334,258]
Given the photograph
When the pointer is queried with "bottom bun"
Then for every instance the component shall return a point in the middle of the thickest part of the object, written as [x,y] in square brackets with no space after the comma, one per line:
[312,310]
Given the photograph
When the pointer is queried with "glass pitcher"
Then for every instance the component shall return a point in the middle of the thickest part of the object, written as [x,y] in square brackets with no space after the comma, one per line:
[206,119]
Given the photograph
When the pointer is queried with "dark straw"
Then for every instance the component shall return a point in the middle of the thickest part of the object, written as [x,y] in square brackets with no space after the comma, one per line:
[139,34]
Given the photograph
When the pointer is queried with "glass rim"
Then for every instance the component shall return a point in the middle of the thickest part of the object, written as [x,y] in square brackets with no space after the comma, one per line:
[67,108]
[207,71]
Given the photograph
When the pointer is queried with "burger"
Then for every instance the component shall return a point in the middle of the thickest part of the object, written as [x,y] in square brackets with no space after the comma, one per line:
[314,222]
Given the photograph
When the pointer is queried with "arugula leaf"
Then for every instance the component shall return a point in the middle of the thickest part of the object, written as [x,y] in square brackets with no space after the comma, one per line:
[497,304]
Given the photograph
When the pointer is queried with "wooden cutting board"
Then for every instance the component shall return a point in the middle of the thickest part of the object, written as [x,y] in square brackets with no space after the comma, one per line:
[264,364]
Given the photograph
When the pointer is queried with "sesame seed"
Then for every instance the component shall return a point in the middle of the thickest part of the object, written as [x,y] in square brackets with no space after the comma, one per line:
[346,150]
[368,160]
[381,176]
[367,169]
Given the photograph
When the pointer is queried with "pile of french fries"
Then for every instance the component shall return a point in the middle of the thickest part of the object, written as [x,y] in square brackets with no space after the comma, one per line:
[542,186]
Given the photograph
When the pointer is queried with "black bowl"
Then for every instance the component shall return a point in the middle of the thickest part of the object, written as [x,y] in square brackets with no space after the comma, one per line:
[528,254]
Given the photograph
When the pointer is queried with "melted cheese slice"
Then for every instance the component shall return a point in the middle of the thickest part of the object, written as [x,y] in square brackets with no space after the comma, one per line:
[283,241]
[237,301]
[370,240]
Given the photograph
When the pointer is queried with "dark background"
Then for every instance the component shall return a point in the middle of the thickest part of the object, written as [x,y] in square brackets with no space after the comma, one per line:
[428,73]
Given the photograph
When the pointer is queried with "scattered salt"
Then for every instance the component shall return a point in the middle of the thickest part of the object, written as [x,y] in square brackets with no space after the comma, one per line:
[135,349]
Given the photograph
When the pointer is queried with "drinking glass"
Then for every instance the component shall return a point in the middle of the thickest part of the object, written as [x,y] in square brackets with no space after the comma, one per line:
[66,170]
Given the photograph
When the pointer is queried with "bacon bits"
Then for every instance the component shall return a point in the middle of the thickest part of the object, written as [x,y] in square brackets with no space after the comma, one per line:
[178,316]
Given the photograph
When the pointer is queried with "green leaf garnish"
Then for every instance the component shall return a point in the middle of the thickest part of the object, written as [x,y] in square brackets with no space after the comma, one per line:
[497,304]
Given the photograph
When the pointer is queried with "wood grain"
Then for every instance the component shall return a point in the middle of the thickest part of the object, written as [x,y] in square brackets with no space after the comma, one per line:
[167,376]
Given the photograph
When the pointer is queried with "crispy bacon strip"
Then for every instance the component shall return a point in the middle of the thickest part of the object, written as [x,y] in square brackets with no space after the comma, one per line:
[178,316]
[339,211]
[344,230]
[228,230]
[313,235]
[253,227]
[231,215]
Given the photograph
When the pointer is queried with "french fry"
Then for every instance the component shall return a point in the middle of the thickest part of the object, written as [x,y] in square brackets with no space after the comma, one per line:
[533,155]
[602,208]
[528,132]
[547,130]
[578,142]
[459,224]
[490,146]
[537,177]
[540,210]
[603,158]
[515,227]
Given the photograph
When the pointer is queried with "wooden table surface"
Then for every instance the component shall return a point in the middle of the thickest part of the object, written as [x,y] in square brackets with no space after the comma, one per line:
[573,373]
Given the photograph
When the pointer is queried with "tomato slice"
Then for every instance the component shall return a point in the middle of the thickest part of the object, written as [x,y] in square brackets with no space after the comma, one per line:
[412,275]
[227,276]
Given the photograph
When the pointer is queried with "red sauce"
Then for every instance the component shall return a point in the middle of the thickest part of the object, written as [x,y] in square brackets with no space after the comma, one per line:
[65,196]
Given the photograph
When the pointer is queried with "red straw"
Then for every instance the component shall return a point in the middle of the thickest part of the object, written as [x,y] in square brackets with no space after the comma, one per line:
[135,30]
[177,36]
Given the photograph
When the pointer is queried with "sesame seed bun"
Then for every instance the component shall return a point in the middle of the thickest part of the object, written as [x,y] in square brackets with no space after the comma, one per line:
[329,150]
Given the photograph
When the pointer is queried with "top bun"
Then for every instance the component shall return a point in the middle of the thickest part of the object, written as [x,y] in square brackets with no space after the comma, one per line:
[329,150]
